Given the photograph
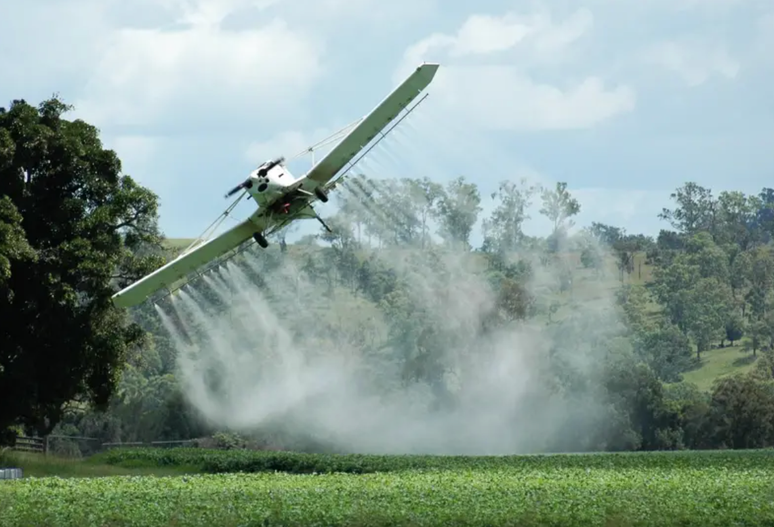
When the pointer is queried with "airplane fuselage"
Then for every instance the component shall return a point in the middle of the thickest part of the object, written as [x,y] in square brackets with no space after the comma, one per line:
[270,185]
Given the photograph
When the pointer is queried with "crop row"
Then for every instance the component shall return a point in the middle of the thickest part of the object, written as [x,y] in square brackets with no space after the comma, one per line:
[227,461]
[559,496]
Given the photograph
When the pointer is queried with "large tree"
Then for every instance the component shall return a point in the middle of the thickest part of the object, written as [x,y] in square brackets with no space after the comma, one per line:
[457,210]
[503,229]
[13,244]
[73,229]
[559,206]
[696,210]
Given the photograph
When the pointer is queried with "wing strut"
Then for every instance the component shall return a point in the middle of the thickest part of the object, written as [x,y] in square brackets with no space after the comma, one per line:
[215,224]
[330,139]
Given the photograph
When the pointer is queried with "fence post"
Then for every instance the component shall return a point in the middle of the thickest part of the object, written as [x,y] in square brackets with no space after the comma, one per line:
[45,446]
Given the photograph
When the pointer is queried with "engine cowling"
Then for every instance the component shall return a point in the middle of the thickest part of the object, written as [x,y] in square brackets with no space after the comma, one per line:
[268,165]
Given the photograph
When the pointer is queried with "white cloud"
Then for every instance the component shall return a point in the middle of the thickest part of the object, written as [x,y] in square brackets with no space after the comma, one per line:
[487,34]
[693,59]
[535,37]
[504,96]
[211,13]
[484,34]
[501,98]
[167,63]
[147,76]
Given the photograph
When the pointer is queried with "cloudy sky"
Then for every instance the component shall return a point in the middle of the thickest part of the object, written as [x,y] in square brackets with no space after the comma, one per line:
[624,100]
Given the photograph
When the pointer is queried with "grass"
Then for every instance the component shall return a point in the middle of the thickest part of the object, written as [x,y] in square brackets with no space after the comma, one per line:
[178,243]
[720,362]
[38,466]
[664,489]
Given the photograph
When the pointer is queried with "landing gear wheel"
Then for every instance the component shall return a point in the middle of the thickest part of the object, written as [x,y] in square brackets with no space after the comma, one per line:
[321,195]
[260,240]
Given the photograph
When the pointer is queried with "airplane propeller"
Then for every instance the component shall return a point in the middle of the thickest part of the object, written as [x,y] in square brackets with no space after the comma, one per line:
[247,183]
[262,171]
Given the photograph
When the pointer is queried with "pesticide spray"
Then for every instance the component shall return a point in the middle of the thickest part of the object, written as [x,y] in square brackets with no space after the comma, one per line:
[272,345]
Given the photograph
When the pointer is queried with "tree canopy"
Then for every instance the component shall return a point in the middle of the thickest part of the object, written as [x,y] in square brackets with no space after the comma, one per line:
[72,227]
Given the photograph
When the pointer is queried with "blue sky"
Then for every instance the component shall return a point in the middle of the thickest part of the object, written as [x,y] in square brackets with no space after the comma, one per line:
[623,100]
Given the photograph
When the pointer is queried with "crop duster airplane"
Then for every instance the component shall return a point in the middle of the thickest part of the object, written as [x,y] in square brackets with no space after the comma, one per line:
[280,197]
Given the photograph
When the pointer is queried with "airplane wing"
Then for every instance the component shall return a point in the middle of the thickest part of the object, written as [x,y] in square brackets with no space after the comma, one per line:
[173,272]
[372,124]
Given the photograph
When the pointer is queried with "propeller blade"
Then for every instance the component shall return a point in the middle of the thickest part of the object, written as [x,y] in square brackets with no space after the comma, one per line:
[242,185]
[232,191]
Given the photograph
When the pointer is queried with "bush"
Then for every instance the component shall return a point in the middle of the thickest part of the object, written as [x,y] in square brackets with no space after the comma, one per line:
[227,461]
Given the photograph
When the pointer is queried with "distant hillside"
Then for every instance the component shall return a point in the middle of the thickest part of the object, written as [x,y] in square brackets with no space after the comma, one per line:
[178,243]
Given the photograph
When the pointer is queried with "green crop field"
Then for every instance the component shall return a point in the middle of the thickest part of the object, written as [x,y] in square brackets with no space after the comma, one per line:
[670,488]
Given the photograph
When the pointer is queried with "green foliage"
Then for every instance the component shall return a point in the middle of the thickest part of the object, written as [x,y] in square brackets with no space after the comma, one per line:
[229,440]
[13,243]
[743,412]
[458,209]
[694,211]
[35,465]
[230,461]
[734,328]
[71,229]
[625,489]
[503,230]
[666,349]
[559,206]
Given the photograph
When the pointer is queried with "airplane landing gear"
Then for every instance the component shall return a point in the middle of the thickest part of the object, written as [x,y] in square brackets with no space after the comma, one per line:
[260,240]
[321,195]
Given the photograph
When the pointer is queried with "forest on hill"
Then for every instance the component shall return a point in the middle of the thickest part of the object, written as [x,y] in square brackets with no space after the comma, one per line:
[588,339]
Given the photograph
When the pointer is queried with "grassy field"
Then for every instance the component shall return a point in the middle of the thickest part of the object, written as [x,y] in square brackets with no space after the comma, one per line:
[720,362]
[660,489]
[39,466]
[178,243]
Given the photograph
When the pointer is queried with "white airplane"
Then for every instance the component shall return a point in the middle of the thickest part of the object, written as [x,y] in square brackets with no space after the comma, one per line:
[281,198]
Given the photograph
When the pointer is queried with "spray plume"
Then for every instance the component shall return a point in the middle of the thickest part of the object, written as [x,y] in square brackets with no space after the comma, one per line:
[435,365]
